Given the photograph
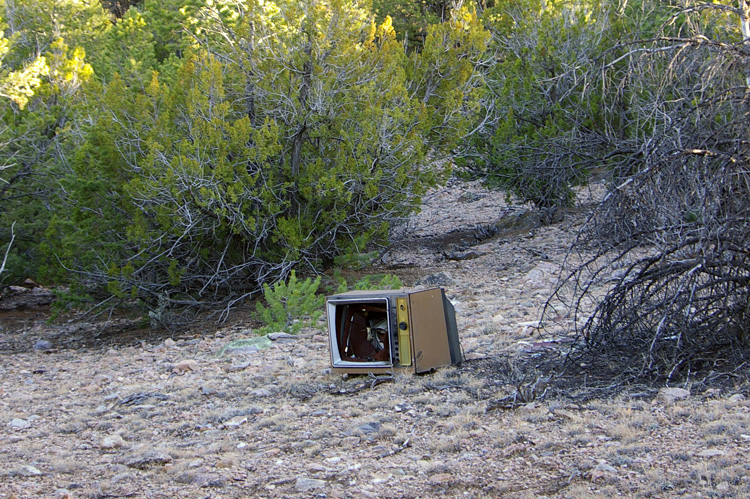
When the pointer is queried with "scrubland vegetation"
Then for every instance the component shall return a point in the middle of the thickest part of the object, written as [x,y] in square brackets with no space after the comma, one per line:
[179,158]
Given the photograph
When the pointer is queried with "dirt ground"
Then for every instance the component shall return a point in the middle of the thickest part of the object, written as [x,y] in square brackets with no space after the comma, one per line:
[111,409]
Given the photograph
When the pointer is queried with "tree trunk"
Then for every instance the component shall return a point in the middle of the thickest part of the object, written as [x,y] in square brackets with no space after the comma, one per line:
[304,92]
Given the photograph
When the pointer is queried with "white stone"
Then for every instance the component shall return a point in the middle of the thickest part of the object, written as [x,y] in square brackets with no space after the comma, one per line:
[185,366]
[498,318]
[28,471]
[236,421]
[710,453]
[671,394]
[112,442]
[19,424]
[305,484]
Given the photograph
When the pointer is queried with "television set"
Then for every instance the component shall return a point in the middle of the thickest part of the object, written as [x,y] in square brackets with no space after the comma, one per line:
[381,331]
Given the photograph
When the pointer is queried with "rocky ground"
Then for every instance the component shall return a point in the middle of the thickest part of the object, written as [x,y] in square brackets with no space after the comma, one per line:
[109,409]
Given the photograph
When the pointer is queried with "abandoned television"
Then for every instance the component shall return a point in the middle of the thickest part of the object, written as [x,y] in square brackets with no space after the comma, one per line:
[380,331]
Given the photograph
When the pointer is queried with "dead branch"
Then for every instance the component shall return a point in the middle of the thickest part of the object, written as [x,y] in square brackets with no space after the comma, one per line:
[7,250]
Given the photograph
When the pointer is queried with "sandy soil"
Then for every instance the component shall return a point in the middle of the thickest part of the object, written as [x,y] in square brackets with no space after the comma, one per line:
[98,410]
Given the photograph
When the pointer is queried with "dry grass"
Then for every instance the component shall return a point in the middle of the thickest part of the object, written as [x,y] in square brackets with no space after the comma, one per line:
[256,432]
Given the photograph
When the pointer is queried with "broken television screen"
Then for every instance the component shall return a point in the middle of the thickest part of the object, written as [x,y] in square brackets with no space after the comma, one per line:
[362,333]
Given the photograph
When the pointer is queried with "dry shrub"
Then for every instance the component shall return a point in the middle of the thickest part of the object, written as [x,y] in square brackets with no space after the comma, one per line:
[670,240]
[683,307]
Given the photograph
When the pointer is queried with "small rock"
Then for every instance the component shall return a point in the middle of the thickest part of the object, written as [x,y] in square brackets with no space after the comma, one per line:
[42,345]
[306,484]
[92,388]
[112,442]
[562,413]
[598,474]
[470,197]
[209,480]
[535,278]
[262,392]
[238,367]
[169,343]
[236,421]
[282,337]
[148,459]
[378,478]
[19,424]
[722,487]
[246,346]
[121,477]
[460,255]
[712,392]
[737,397]
[349,442]
[185,366]
[710,453]
[226,462]
[514,450]
[366,428]
[669,394]
[102,379]
[603,466]
[439,279]
[28,471]
[530,407]
[440,478]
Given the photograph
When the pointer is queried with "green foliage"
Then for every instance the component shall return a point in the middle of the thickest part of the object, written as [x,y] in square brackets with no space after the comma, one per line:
[216,174]
[411,18]
[204,148]
[354,260]
[66,300]
[128,51]
[171,23]
[536,145]
[288,304]
[39,118]
[444,77]
[35,25]
[373,281]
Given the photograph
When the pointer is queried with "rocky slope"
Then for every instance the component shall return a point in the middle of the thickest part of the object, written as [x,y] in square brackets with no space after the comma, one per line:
[93,409]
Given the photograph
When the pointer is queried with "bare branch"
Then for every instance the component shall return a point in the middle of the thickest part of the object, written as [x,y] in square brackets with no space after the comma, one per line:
[7,250]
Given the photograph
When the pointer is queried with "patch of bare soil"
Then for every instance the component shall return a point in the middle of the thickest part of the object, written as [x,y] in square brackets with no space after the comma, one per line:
[113,409]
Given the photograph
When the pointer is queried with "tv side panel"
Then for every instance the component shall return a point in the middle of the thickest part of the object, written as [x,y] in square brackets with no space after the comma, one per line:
[430,345]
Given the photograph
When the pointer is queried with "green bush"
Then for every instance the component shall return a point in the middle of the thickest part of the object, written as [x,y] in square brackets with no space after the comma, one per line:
[191,181]
[542,138]
[288,304]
